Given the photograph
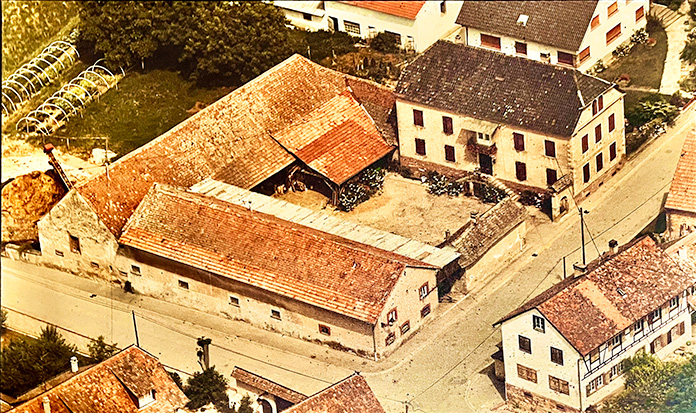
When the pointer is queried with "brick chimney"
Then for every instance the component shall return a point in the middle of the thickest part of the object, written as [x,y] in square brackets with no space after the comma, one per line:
[73,364]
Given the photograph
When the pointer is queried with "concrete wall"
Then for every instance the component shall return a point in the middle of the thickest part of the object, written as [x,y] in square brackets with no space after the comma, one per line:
[430,24]
[211,293]
[72,216]
[613,104]
[540,359]
[405,298]
[533,154]
[595,38]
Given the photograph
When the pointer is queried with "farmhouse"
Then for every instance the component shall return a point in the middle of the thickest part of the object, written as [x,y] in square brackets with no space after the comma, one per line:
[564,349]
[535,126]
[569,33]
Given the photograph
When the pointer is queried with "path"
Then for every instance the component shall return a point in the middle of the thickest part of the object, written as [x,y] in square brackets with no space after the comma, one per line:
[676,39]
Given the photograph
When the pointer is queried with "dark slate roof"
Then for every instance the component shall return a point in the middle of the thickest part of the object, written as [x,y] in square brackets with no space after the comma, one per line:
[560,24]
[616,291]
[492,86]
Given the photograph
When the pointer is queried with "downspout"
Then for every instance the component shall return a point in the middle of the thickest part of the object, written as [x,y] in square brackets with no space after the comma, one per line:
[579,386]
[374,340]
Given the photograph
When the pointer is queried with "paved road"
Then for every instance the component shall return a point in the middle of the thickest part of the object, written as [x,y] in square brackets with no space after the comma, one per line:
[441,370]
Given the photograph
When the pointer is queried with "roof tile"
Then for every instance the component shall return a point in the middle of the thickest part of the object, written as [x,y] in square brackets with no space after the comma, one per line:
[406,9]
[682,193]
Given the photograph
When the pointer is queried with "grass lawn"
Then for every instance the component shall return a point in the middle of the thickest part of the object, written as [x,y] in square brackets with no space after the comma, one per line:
[29,26]
[644,64]
[144,106]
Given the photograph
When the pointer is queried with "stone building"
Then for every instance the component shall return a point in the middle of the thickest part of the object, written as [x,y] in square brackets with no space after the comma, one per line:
[564,349]
[535,126]
[680,207]
[569,33]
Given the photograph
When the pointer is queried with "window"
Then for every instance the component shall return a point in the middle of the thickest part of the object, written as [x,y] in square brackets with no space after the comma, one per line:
[538,323]
[521,48]
[600,161]
[449,153]
[674,302]
[655,316]
[74,244]
[557,356]
[275,314]
[395,37]
[612,151]
[521,171]
[638,326]
[600,103]
[586,173]
[595,22]
[423,291]
[585,144]
[371,32]
[483,136]
[390,339]
[584,55]
[595,384]
[640,13]
[490,41]
[420,146]
[551,176]
[612,9]
[518,140]
[447,125]
[392,316]
[615,341]
[550,148]
[352,28]
[566,58]
[135,269]
[417,117]
[614,33]
[234,301]
[525,344]
[598,133]
[325,330]
[558,385]
[526,373]
[612,122]
[405,327]
[59,253]
[183,284]
[425,311]
[146,400]
[443,7]
[616,371]
[307,16]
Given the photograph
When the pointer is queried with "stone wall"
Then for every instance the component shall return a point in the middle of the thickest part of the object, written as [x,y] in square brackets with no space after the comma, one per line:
[529,402]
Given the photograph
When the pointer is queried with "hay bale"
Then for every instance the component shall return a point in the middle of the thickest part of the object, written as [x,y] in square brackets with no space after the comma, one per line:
[25,200]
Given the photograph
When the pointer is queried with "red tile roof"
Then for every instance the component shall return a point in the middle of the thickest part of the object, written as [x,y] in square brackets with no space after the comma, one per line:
[261,383]
[109,386]
[682,193]
[338,139]
[406,9]
[589,310]
[230,140]
[253,248]
[350,395]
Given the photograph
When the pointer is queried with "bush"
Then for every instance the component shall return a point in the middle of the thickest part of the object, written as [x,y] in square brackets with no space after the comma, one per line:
[100,351]
[532,198]
[207,387]
[688,53]
[385,43]
[622,50]
[491,194]
[689,82]
[598,67]
[653,23]
[654,106]
[639,37]
[373,178]
[672,4]
[368,64]
[361,188]
[441,185]
[322,44]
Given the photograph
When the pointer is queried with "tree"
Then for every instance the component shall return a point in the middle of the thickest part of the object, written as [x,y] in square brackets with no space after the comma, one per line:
[27,363]
[3,319]
[100,351]
[245,405]
[234,41]
[386,43]
[207,387]
[688,54]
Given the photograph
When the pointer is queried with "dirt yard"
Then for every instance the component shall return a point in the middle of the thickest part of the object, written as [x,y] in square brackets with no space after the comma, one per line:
[404,207]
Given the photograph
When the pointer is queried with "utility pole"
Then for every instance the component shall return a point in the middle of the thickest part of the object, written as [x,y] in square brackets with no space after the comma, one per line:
[582,232]
[135,326]
[203,352]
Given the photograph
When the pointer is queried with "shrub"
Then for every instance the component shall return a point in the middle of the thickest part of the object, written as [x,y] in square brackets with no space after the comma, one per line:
[532,198]
[373,178]
[441,185]
[688,53]
[639,37]
[598,67]
[322,44]
[491,194]
[622,50]
[689,82]
[653,23]
[385,43]
[100,351]
[653,106]
[352,195]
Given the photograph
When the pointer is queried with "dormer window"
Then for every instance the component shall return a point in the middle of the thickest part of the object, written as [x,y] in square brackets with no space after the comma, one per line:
[538,323]
[146,400]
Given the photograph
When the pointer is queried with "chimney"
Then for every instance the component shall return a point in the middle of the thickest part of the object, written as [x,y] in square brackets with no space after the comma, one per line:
[474,216]
[46,405]
[73,364]
[613,246]
[579,269]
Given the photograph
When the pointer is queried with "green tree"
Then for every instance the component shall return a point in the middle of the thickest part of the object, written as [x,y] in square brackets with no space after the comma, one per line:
[100,351]
[27,363]
[234,41]
[688,54]
[385,43]
[245,405]
[3,319]
[207,387]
